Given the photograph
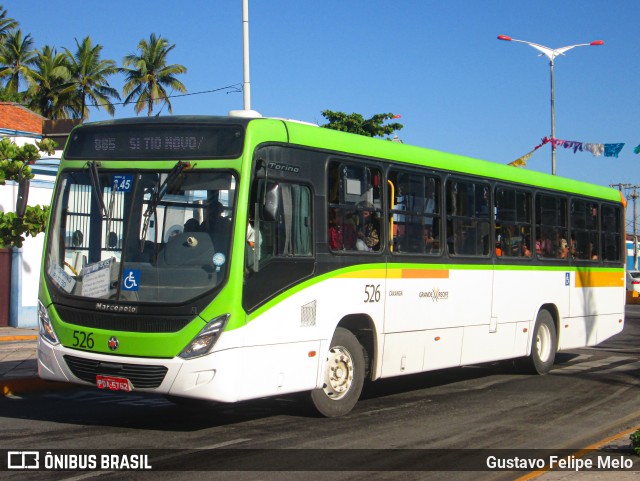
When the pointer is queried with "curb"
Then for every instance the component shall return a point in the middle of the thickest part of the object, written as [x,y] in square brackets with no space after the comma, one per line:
[12,387]
[18,338]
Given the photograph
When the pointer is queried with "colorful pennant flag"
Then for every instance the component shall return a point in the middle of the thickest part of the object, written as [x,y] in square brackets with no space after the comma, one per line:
[608,150]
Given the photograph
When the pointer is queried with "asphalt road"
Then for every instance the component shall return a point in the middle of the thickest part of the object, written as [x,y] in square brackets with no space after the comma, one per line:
[478,410]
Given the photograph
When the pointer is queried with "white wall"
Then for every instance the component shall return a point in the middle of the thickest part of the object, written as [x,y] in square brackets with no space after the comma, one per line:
[25,271]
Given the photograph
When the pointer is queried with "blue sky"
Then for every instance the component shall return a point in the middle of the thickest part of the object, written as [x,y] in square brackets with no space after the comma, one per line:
[436,63]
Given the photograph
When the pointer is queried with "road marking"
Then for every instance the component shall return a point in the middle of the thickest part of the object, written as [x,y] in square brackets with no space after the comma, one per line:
[586,366]
[633,366]
[582,452]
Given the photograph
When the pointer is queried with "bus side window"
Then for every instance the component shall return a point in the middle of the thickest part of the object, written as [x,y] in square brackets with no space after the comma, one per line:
[513,223]
[468,222]
[354,210]
[551,227]
[584,230]
[611,228]
[415,216]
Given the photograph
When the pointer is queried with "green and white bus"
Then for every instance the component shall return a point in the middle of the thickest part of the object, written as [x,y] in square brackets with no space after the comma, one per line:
[233,258]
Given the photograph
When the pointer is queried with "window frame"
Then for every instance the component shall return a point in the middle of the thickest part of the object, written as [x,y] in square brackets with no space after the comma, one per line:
[452,225]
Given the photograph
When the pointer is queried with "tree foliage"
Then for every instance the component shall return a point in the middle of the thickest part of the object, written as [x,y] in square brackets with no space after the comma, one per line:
[51,93]
[16,57]
[356,124]
[89,75]
[14,230]
[66,85]
[7,24]
[13,157]
[147,75]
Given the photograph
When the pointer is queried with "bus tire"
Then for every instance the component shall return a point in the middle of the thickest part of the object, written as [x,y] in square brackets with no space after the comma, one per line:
[344,373]
[544,344]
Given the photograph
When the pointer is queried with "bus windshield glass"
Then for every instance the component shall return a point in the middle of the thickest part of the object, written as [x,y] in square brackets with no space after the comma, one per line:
[141,236]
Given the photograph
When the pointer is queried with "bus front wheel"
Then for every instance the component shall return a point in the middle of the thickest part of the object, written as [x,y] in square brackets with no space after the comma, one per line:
[543,345]
[344,373]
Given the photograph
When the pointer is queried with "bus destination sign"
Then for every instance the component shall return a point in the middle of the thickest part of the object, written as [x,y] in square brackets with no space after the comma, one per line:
[155,142]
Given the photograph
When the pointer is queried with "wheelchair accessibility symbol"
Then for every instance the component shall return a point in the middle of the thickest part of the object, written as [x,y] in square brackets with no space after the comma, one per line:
[131,280]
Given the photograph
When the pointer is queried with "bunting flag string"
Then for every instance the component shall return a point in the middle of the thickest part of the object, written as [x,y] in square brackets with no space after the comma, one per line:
[608,150]
[522,161]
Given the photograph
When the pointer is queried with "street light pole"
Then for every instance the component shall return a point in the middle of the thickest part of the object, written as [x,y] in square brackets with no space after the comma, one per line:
[551,54]
[246,86]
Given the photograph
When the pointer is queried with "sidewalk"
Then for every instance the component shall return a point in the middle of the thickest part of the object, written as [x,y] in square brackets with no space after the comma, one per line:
[19,374]
[18,364]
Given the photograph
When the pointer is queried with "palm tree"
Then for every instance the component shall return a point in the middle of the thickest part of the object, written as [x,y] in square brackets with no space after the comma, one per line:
[7,24]
[16,54]
[149,75]
[50,91]
[89,75]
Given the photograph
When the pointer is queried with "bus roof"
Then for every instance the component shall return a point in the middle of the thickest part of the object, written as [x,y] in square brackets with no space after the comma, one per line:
[304,134]
[385,149]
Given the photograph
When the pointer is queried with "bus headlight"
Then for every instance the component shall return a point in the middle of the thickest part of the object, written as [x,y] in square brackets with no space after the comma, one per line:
[44,324]
[206,338]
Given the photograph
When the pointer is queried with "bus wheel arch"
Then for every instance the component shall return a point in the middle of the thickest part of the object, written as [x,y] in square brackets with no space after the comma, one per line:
[345,367]
[544,342]
[362,326]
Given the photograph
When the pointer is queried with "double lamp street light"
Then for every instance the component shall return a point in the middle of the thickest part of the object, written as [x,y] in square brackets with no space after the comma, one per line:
[551,54]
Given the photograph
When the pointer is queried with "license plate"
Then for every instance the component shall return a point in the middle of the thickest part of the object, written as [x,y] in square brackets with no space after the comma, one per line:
[113,383]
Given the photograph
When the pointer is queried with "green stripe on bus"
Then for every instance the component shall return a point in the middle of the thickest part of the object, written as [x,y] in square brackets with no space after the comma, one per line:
[364,268]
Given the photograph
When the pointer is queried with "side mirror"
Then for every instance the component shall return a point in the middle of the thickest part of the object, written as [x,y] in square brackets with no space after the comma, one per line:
[271,202]
[23,197]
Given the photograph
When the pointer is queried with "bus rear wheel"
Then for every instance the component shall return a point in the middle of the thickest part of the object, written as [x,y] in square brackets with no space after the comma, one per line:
[344,373]
[544,345]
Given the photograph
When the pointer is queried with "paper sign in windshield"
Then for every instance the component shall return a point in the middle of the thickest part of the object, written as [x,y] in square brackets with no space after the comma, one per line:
[60,277]
[96,279]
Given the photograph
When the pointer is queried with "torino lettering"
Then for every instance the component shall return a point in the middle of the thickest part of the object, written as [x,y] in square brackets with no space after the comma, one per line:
[284,167]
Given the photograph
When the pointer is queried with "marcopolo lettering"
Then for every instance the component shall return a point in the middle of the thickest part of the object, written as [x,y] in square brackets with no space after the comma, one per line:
[116,308]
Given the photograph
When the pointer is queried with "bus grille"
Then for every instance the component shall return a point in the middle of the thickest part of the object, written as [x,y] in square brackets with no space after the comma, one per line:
[141,376]
[120,322]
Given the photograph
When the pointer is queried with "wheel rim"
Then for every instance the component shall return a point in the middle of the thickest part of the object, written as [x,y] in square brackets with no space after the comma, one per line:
[543,343]
[339,373]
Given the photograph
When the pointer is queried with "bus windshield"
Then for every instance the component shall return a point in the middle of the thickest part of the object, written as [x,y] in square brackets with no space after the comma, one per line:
[139,236]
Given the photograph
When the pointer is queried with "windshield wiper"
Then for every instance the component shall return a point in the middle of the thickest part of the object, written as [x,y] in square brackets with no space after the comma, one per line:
[158,194]
[97,188]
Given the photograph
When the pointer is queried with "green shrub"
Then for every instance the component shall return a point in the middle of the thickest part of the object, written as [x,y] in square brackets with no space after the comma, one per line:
[635,442]
[13,230]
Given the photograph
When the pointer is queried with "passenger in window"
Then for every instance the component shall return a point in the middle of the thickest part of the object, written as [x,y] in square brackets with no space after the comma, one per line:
[429,241]
[192,225]
[341,233]
[564,248]
[334,234]
[368,228]
[251,235]
[547,247]
[217,226]
[526,252]
[215,221]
